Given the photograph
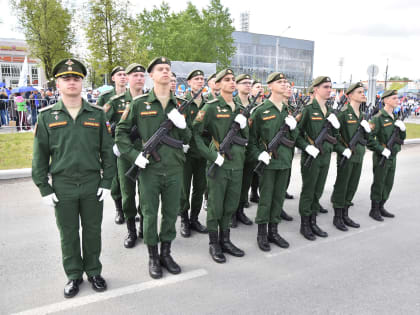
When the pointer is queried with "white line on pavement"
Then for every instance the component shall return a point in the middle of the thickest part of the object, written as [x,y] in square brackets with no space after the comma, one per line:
[327,240]
[93,298]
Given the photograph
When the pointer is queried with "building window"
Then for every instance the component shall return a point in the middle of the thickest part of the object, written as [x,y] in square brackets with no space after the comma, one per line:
[34,74]
[5,70]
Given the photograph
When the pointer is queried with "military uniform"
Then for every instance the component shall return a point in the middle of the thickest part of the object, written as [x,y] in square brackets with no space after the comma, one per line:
[105,97]
[78,155]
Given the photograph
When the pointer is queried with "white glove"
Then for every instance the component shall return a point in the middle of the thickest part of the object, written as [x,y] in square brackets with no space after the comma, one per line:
[241,120]
[334,121]
[220,159]
[365,126]
[386,153]
[141,161]
[347,153]
[400,124]
[185,147]
[116,151]
[291,122]
[50,200]
[103,193]
[265,157]
[312,150]
[177,118]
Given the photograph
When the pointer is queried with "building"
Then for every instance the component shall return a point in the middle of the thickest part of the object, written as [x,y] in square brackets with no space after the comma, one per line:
[12,56]
[260,54]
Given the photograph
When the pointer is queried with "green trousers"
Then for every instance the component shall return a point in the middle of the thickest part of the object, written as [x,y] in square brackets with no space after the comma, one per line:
[313,182]
[195,170]
[247,177]
[383,178]
[346,184]
[273,185]
[168,187]
[115,187]
[128,189]
[77,202]
[224,193]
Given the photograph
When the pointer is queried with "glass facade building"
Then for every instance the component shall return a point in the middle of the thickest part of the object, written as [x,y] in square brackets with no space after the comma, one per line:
[259,55]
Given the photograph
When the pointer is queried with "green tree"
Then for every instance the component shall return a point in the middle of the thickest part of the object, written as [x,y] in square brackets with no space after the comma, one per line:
[398,78]
[46,26]
[395,86]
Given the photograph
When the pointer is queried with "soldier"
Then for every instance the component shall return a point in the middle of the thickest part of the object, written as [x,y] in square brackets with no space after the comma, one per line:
[244,87]
[348,176]
[265,122]
[214,89]
[73,144]
[158,179]
[114,110]
[217,116]
[119,77]
[195,166]
[383,125]
[173,82]
[310,125]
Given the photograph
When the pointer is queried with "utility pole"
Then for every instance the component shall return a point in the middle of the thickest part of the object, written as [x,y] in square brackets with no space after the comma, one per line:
[386,73]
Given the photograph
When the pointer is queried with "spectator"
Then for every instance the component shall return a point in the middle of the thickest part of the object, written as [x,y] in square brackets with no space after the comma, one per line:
[21,109]
[3,108]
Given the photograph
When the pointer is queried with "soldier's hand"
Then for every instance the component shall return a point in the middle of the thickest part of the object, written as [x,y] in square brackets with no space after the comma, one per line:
[50,200]
[141,161]
[103,193]
[116,151]
[219,160]
[386,153]
[312,150]
[177,118]
[291,122]
[334,121]
[347,153]
[264,157]
[241,120]
[365,126]
[185,147]
[400,124]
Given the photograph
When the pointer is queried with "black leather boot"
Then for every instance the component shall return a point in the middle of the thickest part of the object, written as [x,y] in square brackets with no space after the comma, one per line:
[227,245]
[254,196]
[285,216]
[214,248]
[338,220]
[195,224]
[185,224]
[347,220]
[119,215]
[262,238]
[383,211]
[155,270]
[166,259]
[141,226]
[315,228]
[240,215]
[322,209]
[72,288]
[131,238]
[274,236]
[375,213]
[305,228]
[234,222]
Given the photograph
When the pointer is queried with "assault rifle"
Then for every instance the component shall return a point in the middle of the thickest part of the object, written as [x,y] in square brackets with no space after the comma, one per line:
[395,138]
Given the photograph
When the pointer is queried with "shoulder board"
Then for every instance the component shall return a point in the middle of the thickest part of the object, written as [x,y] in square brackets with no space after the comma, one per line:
[46,108]
[146,94]
[213,101]
[309,103]
[181,99]
[106,92]
[116,96]
[344,108]
[378,114]
[97,106]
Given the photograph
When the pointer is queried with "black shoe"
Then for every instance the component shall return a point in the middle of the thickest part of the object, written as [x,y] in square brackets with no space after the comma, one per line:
[383,211]
[141,227]
[375,213]
[185,224]
[234,222]
[214,248]
[131,238]
[274,236]
[240,215]
[119,215]
[315,228]
[155,270]
[72,288]
[246,204]
[322,209]
[285,216]
[98,283]
[288,196]
[254,196]
[195,224]
[227,245]
[262,240]
[346,219]
[305,228]
[166,259]
[338,220]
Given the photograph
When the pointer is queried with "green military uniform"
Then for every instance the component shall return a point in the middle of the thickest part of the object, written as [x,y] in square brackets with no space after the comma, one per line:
[105,97]
[75,152]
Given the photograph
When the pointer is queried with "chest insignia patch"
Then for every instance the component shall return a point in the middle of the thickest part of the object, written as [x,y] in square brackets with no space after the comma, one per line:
[316,118]
[351,121]
[223,116]
[269,117]
[388,124]
[91,124]
[148,113]
[57,124]
[266,112]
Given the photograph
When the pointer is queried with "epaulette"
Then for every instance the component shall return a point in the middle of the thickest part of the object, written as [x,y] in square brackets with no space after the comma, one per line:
[344,108]
[46,108]
[116,96]
[378,114]
[97,106]
[145,94]
[178,98]
[106,92]
[212,101]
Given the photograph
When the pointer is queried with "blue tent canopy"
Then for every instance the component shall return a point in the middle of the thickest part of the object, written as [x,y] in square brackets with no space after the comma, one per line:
[23,89]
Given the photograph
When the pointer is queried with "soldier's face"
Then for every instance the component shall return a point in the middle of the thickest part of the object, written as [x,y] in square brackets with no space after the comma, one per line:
[227,84]
[161,74]
[358,95]
[257,88]
[391,101]
[120,78]
[288,90]
[212,85]
[196,83]
[323,91]
[173,83]
[136,80]
[278,87]
[244,87]
[70,86]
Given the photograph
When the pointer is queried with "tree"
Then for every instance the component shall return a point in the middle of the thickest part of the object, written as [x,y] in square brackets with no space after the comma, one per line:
[398,78]
[396,86]
[46,26]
